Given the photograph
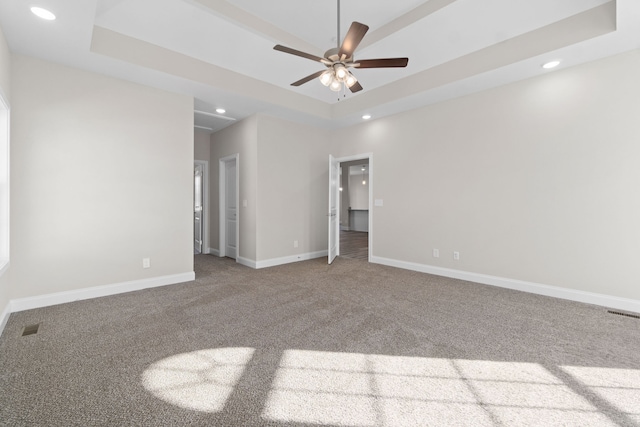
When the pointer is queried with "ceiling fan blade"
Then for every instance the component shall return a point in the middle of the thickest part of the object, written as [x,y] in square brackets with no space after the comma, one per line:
[381,63]
[352,39]
[356,87]
[299,53]
[308,78]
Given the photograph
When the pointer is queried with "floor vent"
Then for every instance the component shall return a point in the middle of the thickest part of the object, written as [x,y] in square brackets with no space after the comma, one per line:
[30,330]
[635,316]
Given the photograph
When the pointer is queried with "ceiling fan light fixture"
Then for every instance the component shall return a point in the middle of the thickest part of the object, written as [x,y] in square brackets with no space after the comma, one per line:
[339,59]
[341,72]
[326,77]
[350,80]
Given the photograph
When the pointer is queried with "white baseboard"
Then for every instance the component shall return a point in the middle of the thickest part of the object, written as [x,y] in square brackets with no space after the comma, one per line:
[4,317]
[246,262]
[213,251]
[279,261]
[46,300]
[626,304]
[289,259]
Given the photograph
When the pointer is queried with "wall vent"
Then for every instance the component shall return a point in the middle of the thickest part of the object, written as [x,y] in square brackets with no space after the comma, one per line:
[619,313]
[30,330]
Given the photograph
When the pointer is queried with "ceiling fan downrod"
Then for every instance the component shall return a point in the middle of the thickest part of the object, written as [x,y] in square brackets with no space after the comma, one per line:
[338,26]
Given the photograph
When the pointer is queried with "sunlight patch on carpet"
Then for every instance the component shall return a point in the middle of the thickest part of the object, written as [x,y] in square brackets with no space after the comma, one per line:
[360,390]
[619,387]
[200,380]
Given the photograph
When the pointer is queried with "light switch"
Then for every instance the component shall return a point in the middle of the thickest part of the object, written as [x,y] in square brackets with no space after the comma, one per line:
[378,202]
[244,203]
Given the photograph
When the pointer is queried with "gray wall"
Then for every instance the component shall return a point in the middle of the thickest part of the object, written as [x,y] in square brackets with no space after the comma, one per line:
[282,177]
[201,145]
[240,138]
[292,189]
[101,176]
[5,67]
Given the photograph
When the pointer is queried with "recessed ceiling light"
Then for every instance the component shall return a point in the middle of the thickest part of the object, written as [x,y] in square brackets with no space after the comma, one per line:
[43,13]
[551,64]
[366,116]
[220,110]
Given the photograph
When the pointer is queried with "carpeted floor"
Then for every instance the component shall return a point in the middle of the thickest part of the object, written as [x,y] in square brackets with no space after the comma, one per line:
[306,344]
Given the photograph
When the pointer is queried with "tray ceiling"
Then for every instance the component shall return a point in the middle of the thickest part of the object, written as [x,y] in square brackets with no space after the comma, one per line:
[221,52]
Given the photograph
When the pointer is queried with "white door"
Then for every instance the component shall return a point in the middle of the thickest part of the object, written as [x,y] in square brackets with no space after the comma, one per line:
[334,229]
[231,209]
[197,209]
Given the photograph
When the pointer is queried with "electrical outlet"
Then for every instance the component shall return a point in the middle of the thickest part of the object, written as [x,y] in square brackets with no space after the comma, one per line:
[456,255]
[295,243]
[146,262]
[436,253]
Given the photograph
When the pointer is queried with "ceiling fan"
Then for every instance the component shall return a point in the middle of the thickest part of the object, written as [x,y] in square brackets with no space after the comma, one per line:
[338,60]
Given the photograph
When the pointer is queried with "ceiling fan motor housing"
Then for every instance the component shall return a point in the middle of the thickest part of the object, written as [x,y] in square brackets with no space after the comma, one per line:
[333,56]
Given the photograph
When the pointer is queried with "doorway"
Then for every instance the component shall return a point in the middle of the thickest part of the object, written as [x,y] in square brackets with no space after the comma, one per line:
[351,199]
[200,207]
[229,215]
[354,209]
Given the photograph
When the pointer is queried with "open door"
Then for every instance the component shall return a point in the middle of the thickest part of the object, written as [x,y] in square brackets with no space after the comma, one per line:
[334,229]
[197,208]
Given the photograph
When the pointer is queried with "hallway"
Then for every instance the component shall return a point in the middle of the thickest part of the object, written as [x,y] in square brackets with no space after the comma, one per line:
[354,245]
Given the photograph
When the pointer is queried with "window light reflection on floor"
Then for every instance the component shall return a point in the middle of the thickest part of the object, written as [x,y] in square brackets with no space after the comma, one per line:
[347,389]
[618,387]
[201,380]
[361,390]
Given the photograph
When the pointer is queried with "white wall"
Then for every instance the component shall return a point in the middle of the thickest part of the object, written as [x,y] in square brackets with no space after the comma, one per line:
[240,138]
[5,88]
[101,176]
[536,181]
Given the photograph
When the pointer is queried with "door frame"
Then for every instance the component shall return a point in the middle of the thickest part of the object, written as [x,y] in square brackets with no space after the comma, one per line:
[335,179]
[222,163]
[205,204]
[362,156]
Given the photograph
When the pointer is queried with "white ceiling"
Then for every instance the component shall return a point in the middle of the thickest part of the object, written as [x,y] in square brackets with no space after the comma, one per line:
[221,52]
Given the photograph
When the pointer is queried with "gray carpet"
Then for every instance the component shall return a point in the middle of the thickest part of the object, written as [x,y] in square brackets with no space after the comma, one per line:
[306,344]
